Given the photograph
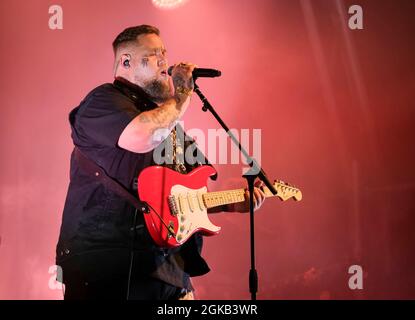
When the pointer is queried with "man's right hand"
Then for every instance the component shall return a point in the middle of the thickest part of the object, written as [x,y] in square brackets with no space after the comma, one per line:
[139,135]
[183,80]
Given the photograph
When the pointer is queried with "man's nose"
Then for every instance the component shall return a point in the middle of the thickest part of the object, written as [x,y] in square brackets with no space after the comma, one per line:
[162,61]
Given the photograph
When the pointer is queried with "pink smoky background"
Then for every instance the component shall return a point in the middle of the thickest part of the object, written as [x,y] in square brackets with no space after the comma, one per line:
[336,113]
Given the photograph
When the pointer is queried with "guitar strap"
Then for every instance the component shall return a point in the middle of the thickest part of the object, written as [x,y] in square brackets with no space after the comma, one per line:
[196,265]
[94,170]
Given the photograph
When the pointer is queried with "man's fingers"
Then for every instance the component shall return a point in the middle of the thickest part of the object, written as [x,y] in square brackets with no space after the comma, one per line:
[186,67]
[259,197]
[259,184]
[263,196]
[182,75]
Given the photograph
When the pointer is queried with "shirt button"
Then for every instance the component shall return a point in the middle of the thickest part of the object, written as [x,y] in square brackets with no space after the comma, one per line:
[97,174]
[67,251]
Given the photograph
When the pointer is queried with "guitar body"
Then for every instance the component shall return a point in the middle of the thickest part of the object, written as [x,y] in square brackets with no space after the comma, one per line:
[178,202]
[176,206]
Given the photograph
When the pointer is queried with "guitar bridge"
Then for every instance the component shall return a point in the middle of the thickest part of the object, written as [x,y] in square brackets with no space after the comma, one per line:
[173,205]
[170,230]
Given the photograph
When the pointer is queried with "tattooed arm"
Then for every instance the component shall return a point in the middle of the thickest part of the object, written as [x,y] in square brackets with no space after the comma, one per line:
[140,135]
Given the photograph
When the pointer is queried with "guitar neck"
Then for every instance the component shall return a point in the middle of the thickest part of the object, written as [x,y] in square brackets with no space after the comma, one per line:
[220,198]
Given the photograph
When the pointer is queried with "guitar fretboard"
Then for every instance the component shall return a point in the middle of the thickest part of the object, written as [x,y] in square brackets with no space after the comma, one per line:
[220,198]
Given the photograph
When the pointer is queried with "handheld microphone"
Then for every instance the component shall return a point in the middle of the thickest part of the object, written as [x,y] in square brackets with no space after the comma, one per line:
[201,72]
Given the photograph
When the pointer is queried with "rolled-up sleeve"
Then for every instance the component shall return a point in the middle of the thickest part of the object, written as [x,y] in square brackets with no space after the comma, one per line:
[102,117]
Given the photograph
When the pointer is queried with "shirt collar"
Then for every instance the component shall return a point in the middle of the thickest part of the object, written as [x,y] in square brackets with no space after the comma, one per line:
[135,93]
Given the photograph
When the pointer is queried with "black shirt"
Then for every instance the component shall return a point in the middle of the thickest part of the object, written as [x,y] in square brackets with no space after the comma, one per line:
[97,234]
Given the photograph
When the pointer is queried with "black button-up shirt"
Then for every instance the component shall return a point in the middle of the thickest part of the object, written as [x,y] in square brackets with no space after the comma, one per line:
[96,233]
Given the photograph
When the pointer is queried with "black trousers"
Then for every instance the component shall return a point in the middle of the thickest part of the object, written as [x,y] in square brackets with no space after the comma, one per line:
[116,289]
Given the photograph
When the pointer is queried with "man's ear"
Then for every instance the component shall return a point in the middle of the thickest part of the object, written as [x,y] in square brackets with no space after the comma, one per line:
[125,60]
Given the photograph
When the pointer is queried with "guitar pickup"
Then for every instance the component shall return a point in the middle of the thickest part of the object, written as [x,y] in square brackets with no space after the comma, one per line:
[173,205]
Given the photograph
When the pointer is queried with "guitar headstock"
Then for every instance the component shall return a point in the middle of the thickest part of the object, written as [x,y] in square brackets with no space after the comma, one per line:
[285,191]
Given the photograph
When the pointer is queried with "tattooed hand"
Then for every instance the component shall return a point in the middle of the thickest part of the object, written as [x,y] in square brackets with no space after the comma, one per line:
[183,79]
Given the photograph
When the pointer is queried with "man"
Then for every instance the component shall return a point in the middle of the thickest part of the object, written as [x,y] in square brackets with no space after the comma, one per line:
[104,248]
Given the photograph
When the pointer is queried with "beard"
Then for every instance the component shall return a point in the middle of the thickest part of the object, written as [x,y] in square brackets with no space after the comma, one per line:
[159,91]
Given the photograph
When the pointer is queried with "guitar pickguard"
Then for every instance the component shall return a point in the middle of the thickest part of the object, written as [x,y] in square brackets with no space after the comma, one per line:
[191,212]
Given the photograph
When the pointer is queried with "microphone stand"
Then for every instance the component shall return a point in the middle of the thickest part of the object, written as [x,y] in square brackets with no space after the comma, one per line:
[254,172]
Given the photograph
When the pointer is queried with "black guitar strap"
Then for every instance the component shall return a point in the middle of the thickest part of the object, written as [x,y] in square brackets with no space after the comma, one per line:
[94,170]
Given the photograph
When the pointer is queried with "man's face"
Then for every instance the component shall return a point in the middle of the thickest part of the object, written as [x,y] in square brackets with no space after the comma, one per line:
[149,67]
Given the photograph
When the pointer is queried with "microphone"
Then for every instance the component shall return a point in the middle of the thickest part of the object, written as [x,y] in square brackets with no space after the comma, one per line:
[201,72]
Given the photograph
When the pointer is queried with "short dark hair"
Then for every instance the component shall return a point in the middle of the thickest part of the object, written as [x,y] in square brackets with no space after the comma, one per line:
[130,34]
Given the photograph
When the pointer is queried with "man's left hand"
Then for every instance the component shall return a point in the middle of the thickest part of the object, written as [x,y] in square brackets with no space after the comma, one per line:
[243,207]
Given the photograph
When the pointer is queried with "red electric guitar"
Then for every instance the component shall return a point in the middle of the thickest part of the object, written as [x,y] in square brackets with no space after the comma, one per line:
[178,203]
